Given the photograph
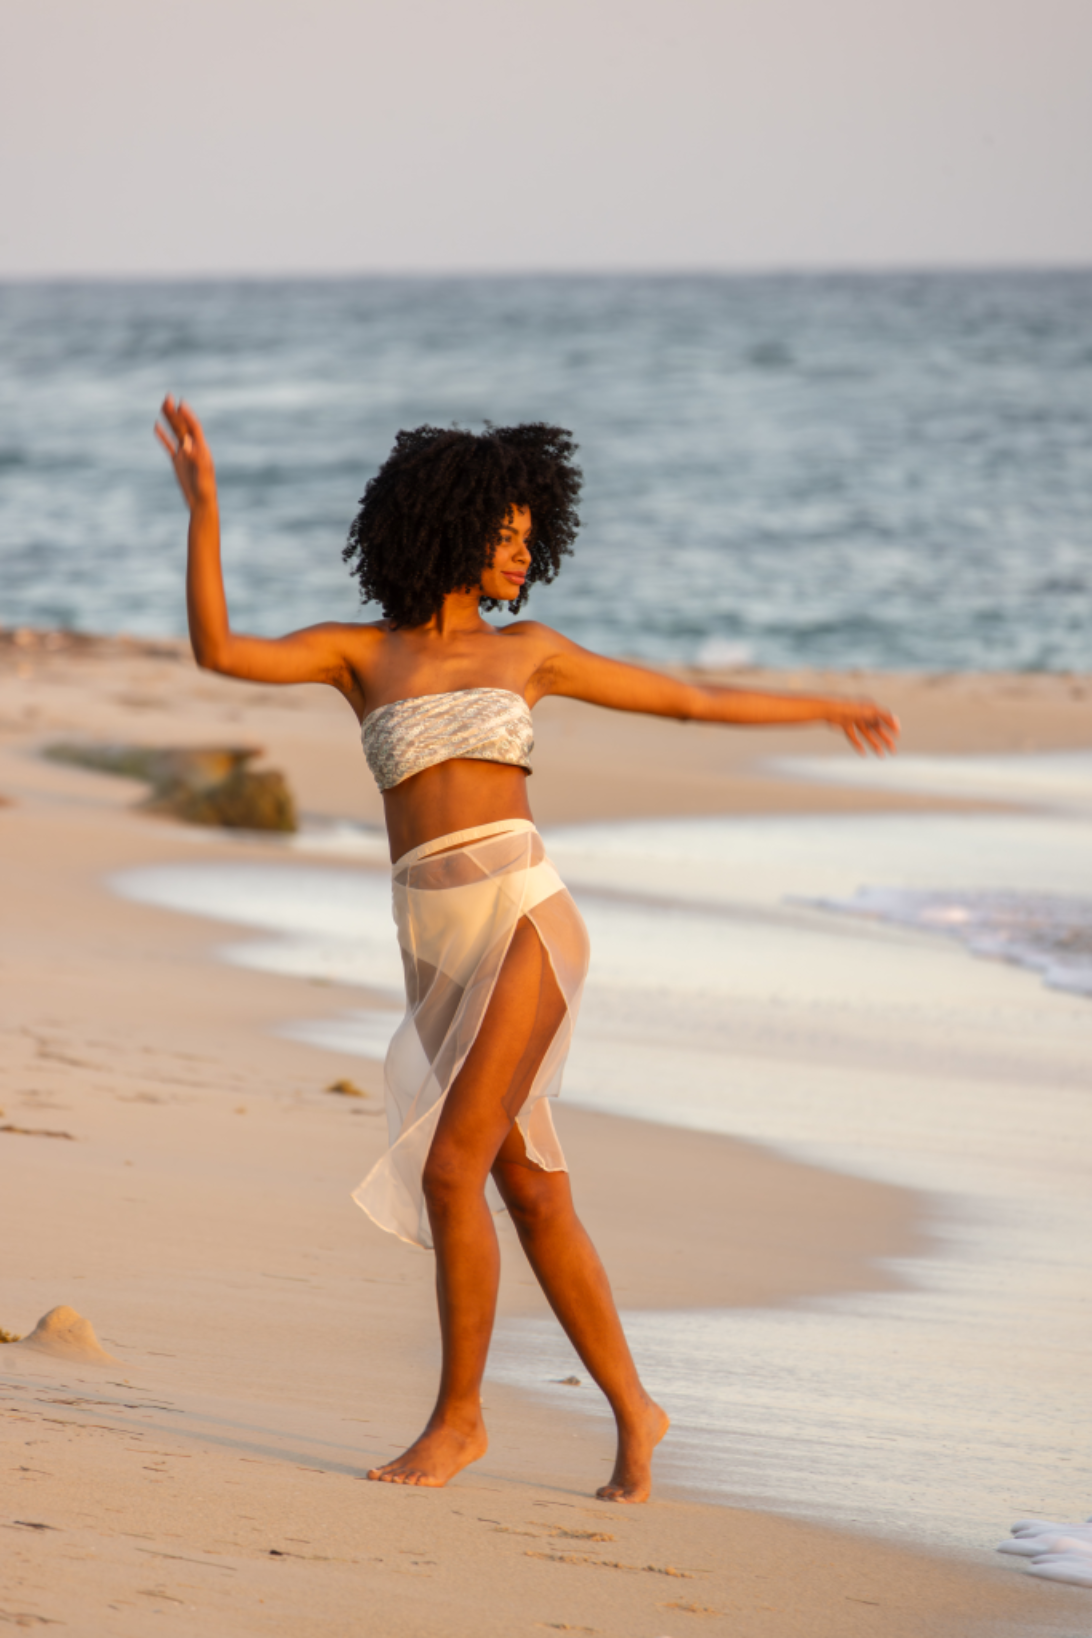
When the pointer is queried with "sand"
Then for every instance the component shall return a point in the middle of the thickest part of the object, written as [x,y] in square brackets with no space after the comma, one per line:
[179,1177]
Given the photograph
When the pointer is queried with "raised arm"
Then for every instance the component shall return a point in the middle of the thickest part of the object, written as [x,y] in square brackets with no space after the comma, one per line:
[574,671]
[315,654]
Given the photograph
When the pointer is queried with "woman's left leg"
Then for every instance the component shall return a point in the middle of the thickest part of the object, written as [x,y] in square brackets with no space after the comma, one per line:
[575,1282]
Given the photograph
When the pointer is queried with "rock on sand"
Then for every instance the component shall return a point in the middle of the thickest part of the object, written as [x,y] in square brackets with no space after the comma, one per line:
[66,1335]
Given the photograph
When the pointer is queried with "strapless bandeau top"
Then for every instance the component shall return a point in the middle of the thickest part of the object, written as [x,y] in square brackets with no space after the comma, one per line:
[486,724]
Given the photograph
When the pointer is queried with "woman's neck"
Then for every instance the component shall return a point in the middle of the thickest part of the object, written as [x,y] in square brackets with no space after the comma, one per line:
[458,615]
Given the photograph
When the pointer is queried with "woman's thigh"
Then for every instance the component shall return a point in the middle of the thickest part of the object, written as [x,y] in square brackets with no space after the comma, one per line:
[524,1014]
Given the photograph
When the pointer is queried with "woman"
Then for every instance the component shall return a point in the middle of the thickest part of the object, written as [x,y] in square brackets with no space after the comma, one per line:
[494,948]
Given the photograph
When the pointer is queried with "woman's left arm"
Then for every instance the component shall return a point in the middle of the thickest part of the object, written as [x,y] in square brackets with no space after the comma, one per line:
[571,670]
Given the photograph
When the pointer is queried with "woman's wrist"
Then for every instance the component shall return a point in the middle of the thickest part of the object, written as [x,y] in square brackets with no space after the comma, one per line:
[204,507]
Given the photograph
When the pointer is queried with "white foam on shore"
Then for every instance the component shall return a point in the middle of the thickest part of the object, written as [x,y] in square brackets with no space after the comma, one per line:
[1049,933]
[717,1000]
[1057,781]
[1057,1551]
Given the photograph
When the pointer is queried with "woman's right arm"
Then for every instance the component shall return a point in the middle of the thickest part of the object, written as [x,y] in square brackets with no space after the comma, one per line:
[315,654]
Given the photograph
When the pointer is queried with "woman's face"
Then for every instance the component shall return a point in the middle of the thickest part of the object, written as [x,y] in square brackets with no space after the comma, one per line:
[512,557]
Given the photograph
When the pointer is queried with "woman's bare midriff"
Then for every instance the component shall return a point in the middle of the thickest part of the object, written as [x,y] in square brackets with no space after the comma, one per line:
[456,795]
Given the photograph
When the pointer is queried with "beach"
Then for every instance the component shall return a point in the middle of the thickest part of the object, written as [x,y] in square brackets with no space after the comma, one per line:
[177,1171]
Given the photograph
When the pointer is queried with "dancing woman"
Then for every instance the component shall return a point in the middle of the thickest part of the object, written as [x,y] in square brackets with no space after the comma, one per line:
[494,949]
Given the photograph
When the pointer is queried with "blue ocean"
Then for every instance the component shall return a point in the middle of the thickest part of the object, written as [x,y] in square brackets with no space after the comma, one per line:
[852,470]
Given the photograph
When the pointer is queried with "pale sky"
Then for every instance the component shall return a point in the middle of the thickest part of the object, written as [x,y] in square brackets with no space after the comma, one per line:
[342,136]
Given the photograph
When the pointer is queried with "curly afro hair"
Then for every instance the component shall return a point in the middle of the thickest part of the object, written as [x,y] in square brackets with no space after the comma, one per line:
[430,518]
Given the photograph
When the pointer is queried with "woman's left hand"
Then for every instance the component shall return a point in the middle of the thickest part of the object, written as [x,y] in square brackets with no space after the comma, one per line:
[865,724]
[189,454]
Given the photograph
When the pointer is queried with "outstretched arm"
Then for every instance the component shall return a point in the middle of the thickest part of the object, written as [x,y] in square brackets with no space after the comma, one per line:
[316,654]
[581,675]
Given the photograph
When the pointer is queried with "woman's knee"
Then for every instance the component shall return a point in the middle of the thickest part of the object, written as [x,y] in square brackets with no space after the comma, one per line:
[447,1178]
[535,1199]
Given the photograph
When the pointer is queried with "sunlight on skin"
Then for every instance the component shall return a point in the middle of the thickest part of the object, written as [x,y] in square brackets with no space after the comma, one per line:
[377,663]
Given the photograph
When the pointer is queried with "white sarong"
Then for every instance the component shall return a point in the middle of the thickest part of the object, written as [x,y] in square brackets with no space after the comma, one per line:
[457,902]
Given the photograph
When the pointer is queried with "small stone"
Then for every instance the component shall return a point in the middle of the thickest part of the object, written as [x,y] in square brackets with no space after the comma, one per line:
[346,1089]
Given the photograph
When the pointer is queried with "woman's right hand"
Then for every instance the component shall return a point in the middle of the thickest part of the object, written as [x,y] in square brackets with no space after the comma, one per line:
[189,454]
[865,724]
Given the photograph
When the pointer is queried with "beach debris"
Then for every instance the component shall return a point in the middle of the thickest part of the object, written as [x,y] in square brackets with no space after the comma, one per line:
[609,1563]
[579,1535]
[199,784]
[57,640]
[1056,1551]
[26,637]
[346,1089]
[568,1381]
[7,1336]
[67,1335]
[36,1131]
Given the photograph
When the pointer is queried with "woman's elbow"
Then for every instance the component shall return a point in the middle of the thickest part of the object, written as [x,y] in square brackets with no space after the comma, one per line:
[700,705]
[209,654]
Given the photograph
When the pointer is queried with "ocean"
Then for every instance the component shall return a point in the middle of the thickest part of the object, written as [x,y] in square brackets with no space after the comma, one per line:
[845,470]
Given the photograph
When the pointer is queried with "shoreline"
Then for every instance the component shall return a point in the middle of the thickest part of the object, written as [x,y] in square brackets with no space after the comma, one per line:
[120,1026]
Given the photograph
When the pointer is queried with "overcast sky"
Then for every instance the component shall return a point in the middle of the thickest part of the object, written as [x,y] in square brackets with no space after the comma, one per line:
[272,136]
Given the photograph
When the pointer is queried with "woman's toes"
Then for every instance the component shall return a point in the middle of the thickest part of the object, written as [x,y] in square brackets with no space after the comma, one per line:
[433,1459]
[624,1493]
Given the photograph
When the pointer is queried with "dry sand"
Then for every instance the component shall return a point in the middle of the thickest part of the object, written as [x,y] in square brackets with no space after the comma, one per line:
[177,1174]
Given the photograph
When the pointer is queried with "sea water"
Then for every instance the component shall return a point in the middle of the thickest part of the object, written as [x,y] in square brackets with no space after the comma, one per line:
[884,470]
[725,997]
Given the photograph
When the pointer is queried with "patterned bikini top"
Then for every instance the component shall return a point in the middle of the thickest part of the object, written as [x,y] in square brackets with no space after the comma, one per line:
[486,724]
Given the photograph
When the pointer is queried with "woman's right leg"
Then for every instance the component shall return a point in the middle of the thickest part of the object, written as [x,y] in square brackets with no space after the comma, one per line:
[523,1016]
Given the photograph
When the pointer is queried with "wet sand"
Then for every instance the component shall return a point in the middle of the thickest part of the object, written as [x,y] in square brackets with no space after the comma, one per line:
[272,1345]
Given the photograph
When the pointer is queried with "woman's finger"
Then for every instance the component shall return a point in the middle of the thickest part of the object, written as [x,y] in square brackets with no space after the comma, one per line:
[169,410]
[192,431]
[182,450]
[172,449]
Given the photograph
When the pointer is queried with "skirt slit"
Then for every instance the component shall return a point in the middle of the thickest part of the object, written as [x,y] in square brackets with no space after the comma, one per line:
[457,902]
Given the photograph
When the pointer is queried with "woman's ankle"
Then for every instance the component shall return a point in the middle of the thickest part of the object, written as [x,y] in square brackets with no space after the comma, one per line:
[462,1418]
[633,1411]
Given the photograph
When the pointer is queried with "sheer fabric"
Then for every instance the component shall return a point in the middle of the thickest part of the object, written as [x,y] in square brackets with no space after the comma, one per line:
[457,901]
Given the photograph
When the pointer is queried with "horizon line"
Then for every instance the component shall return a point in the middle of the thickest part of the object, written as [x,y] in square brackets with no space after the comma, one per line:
[817,269]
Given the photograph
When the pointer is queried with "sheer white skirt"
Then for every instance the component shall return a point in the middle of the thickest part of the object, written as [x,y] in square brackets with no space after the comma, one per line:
[457,902]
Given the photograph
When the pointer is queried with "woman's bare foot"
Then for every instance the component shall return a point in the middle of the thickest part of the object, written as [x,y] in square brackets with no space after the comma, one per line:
[435,1457]
[631,1480]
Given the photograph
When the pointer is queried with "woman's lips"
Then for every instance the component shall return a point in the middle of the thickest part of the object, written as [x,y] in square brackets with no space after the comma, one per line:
[516,579]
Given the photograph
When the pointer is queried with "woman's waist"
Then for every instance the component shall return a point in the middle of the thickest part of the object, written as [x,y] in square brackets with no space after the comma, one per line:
[445,801]
[455,840]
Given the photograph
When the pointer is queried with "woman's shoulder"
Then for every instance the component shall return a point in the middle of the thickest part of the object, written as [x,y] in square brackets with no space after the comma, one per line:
[534,634]
[361,645]
[365,636]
